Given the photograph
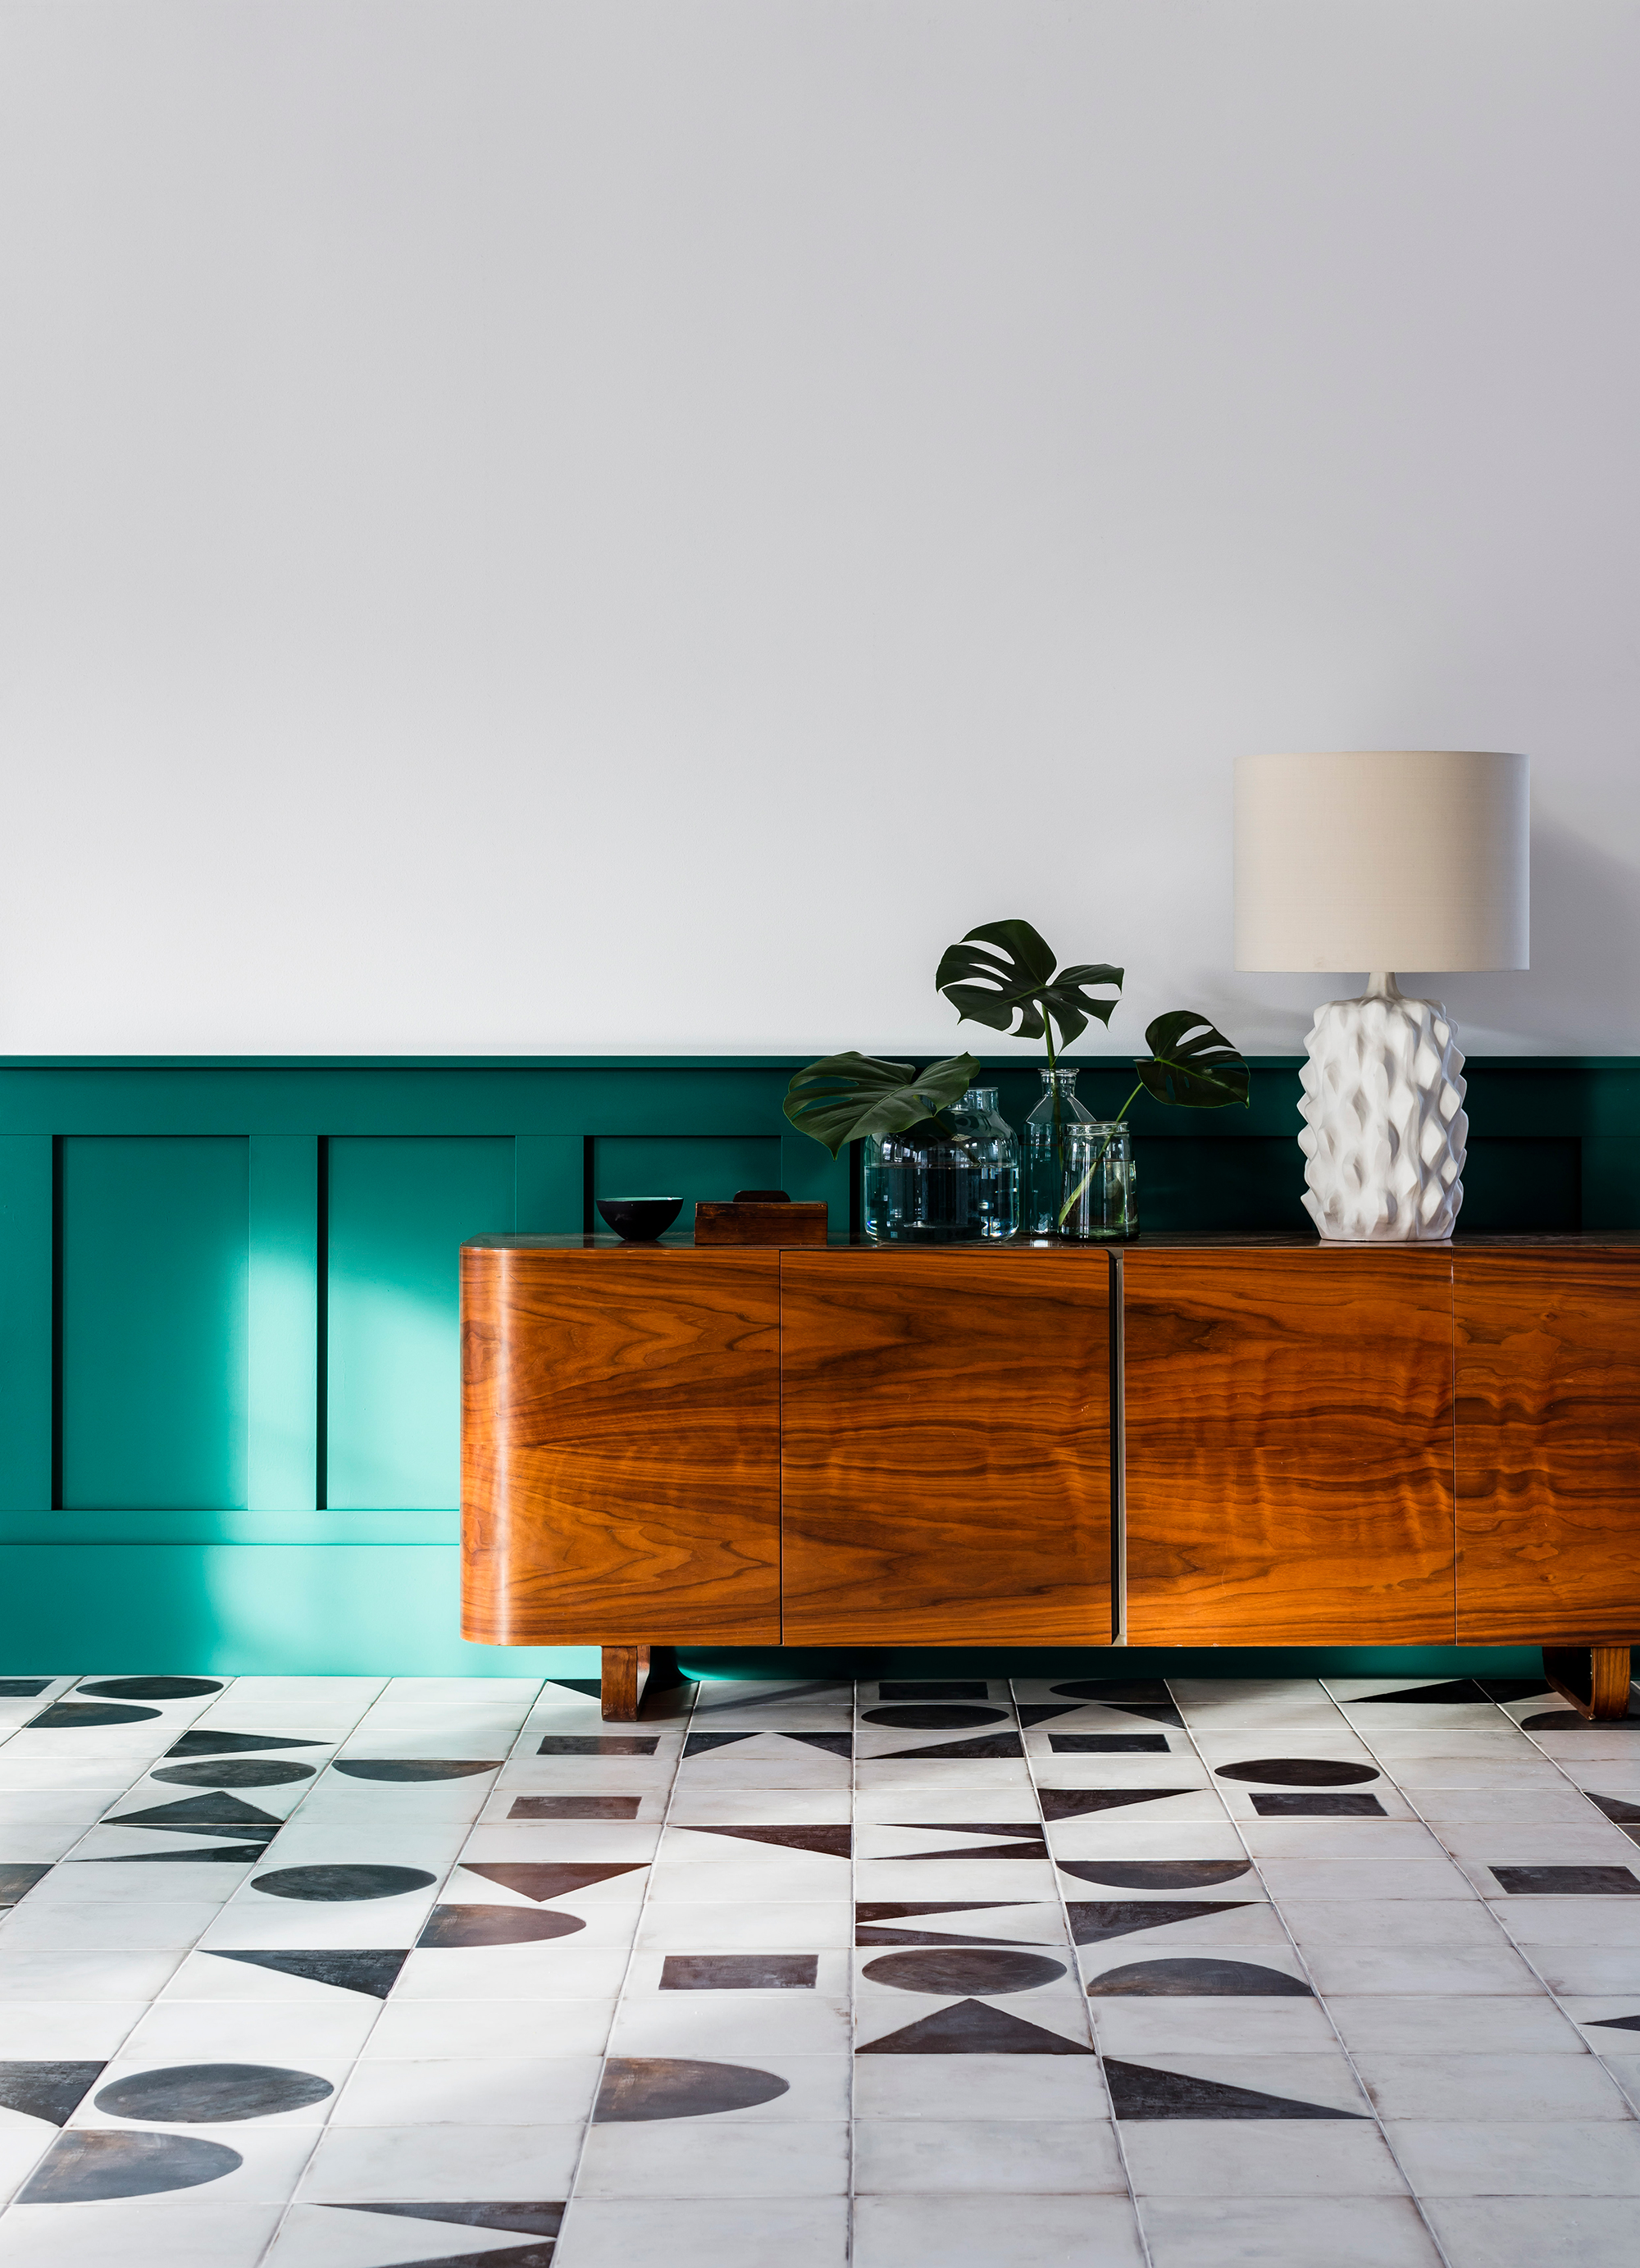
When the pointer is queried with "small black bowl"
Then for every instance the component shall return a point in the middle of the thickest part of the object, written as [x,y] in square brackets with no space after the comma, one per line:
[639,1220]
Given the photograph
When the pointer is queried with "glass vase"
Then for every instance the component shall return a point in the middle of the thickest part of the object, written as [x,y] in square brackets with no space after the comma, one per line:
[1047,1151]
[919,1188]
[994,1171]
[1101,1195]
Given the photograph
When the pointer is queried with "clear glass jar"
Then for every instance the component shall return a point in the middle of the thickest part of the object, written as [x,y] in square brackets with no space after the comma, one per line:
[1047,1151]
[994,1172]
[1101,1197]
[919,1187]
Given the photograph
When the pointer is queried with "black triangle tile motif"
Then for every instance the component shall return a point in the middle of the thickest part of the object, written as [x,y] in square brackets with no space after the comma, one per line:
[990,1744]
[217,1854]
[590,1686]
[824,1842]
[1568,1881]
[1120,1692]
[1449,1689]
[541,1882]
[192,1813]
[233,1744]
[350,1969]
[1092,1922]
[864,1936]
[973,2028]
[1108,1744]
[1078,1802]
[18,1878]
[529,2220]
[1615,1806]
[52,2091]
[1138,2091]
[1617,2023]
[1042,1712]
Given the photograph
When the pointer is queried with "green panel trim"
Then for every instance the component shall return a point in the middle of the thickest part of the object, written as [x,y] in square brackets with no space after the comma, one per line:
[281,1429]
[26,1320]
[548,1178]
[411,1525]
[227,1610]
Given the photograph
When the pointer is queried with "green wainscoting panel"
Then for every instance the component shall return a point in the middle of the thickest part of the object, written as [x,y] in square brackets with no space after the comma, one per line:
[282,1432]
[332,1609]
[699,1168]
[550,1184]
[399,1210]
[26,1364]
[154,1237]
[229,1321]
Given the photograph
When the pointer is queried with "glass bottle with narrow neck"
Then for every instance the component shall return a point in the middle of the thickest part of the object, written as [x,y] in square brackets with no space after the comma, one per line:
[1047,1151]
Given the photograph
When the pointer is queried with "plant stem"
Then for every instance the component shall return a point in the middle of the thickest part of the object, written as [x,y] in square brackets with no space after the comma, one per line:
[1064,1210]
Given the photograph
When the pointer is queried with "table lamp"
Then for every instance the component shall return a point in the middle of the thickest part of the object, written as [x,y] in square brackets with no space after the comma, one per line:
[1382,859]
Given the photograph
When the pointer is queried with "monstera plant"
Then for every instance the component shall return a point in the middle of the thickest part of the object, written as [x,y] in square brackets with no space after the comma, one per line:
[1005,975]
[1006,969]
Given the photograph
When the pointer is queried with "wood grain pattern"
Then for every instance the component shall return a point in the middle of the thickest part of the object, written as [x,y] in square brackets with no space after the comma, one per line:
[1289,1447]
[1594,1679]
[759,1223]
[947,1475]
[621,1443]
[1548,1445]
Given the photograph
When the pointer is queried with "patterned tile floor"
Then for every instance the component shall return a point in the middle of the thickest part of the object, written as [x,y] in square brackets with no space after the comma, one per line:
[340,1973]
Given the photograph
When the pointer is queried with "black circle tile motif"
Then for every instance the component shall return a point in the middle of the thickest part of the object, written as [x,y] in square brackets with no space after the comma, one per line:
[1175,1978]
[1298,1771]
[152,1689]
[679,2086]
[963,1969]
[450,1928]
[934,1717]
[414,1768]
[69,1716]
[341,1885]
[246,1772]
[211,2094]
[79,2167]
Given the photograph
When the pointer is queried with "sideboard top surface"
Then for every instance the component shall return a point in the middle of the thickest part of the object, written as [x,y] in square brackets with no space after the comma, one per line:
[1590,1240]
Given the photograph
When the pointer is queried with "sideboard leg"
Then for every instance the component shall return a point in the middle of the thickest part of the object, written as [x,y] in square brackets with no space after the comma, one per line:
[1593,1678]
[622,1669]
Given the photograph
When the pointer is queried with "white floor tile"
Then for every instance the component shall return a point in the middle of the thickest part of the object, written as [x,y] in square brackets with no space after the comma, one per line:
[971,2231]
[701,2157]
[1354,2231]
[398,2164]
[802,2232]
[1525,2232]
[180,2232]
[1476,2158]
[475,2091]
[1244,2157]
[1039,2157]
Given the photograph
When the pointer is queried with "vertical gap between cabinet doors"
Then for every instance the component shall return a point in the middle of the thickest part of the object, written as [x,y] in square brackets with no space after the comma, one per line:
[1117,1467]
[780,1453]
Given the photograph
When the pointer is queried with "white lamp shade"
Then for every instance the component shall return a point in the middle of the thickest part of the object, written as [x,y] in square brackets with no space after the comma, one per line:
[1382,859]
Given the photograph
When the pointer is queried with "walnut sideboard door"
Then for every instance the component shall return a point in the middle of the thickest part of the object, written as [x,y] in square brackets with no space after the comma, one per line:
[1548,1445]
[947,1447]
[621,1446]
[1288,1445]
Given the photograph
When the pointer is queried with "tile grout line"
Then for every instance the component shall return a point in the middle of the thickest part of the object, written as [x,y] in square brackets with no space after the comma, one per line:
[1520,1951]
[1076,1970]
[1319,1997]
[625,1975]
[320,2131]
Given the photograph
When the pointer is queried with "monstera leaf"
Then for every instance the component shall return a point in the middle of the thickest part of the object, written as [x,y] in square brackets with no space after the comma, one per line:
[843,1097]
[1019,979]
[1192,1063]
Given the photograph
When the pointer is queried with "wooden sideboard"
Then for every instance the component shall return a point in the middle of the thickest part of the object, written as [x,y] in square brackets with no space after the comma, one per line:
[1185,1441]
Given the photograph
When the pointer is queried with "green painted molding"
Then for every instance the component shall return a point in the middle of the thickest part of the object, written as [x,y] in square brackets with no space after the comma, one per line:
[409,1525]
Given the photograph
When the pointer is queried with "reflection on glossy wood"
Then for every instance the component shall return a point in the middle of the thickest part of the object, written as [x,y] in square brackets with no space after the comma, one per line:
[947,1475]
[1548,1445]
[620,1446]
[1289,1445]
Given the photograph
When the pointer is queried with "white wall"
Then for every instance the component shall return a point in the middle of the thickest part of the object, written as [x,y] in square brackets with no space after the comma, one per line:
[594,525]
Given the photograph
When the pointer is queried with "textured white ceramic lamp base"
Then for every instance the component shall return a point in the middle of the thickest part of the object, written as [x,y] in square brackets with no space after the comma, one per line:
[1385,1129]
